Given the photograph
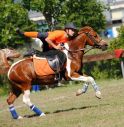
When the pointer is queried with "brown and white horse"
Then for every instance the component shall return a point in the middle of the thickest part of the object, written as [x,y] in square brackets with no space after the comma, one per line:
[6,55]
[22,73]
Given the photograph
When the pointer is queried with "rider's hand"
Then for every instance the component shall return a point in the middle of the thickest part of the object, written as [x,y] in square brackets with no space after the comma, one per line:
[58,47]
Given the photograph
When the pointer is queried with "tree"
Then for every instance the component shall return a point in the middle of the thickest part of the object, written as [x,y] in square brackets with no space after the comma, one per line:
[12,16]
[86,12]
[82,12]
[118,43]
[50,8]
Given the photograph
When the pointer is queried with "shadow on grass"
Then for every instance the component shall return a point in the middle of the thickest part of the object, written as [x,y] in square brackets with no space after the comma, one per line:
[67,110]
[78,108]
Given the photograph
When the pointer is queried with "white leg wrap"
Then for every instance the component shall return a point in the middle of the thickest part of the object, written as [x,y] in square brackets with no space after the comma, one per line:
[85,87]
[91,80]
[26,98]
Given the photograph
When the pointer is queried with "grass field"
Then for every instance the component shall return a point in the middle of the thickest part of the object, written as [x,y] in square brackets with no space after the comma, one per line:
[64,109]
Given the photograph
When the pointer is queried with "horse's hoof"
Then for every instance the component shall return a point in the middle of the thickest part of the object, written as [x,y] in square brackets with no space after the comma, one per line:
[98,94]
[79,92]
[43,114]
[20,117]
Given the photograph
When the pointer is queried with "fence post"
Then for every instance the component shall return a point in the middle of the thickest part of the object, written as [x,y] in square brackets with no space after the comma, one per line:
[122,66]
[118,54]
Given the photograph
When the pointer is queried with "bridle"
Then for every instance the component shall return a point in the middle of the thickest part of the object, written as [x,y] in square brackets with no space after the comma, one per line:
[88,34]
[96,43]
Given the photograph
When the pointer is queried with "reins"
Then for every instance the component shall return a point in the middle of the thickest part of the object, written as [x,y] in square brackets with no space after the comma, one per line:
[82,49]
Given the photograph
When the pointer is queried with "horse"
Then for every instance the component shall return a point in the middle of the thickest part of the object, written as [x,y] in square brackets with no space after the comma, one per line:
[6,55]
[23,72]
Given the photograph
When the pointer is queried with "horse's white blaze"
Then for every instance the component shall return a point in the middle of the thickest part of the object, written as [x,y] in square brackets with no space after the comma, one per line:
[68,66]
[86,79]
[7,52]
[13,66]
[26,98]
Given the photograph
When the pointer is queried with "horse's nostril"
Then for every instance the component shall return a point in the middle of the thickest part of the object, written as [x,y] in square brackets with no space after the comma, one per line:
[104,47]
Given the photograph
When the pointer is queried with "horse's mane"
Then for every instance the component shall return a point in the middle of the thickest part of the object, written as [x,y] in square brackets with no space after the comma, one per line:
[85,28]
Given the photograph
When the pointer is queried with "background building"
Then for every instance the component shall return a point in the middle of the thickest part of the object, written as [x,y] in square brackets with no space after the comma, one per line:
[114,16]
[39,19]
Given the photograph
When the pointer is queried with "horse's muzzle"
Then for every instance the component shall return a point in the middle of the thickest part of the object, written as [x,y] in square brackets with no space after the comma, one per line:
[104,47]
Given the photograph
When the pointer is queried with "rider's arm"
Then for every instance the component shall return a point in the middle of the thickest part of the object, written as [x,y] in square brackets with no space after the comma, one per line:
[54,38]
[51,43]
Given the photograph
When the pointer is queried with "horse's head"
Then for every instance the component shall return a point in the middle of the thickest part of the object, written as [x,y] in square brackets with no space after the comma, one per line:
[11,53]
[92,38]
[5,55]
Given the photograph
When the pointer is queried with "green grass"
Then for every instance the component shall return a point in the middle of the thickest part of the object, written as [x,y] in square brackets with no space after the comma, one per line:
[64,109]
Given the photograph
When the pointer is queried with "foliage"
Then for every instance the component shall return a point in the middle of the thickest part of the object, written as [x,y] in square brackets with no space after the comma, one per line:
[59,12]
[86,12]
[4,87]
[12,16]
[50,8]
[118,43]
[104,69]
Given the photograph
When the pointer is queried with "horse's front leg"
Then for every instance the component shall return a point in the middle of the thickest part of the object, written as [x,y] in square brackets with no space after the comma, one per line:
[88,80]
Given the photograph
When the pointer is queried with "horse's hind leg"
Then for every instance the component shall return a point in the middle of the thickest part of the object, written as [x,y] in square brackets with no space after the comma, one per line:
[26,100]
[10,101]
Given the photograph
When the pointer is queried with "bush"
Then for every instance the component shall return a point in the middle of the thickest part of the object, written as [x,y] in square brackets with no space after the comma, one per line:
[13,16]
[4,85]
[104,69]
[118,43]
